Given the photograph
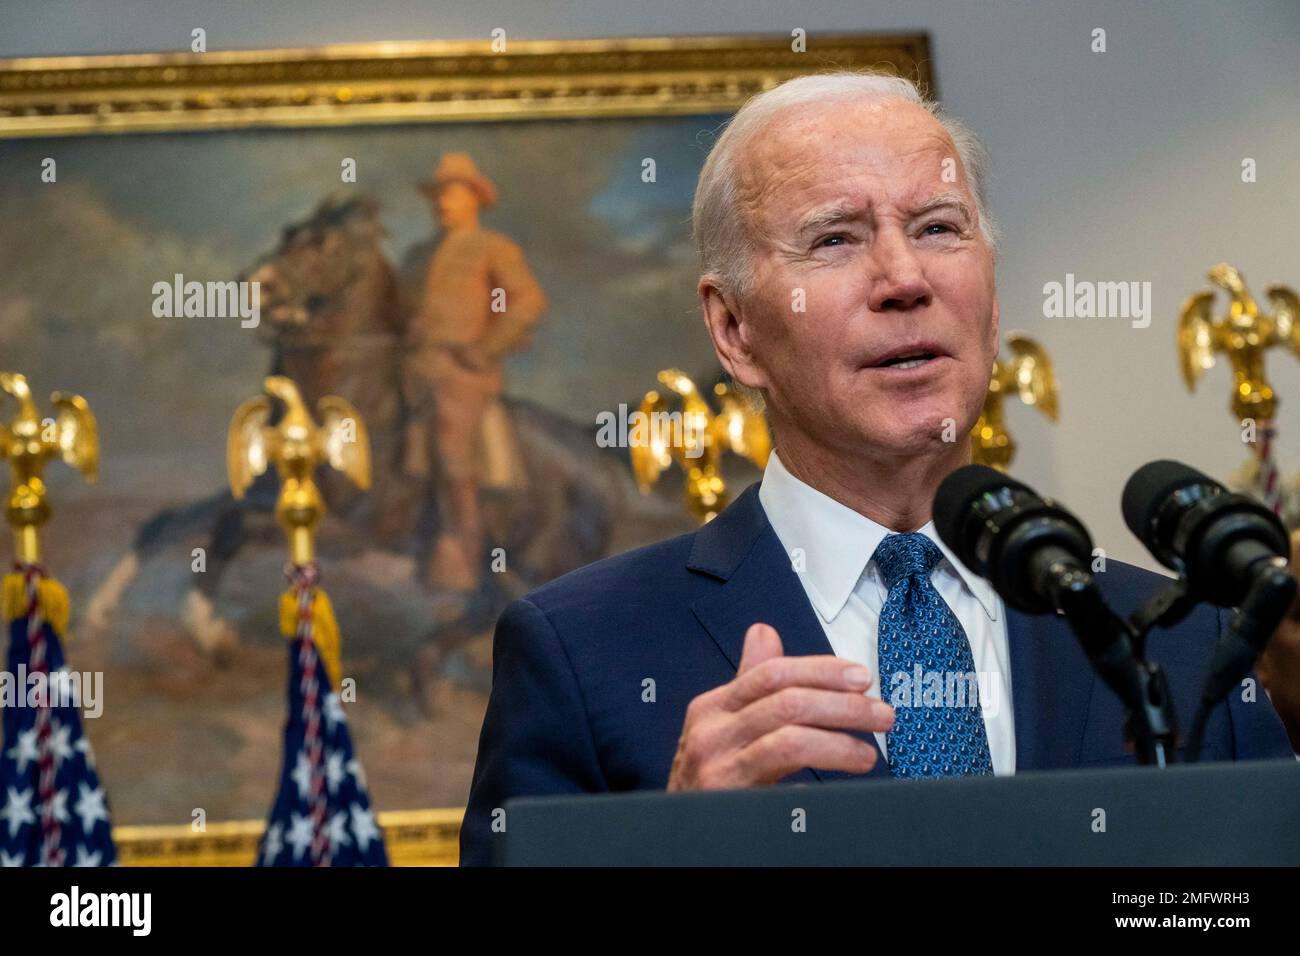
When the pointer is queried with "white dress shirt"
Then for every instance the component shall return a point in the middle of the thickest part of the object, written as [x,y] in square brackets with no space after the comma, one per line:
[831,548]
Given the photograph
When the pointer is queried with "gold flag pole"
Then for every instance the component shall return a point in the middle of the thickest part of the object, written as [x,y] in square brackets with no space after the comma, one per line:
[28,443]
[296,446]
[1244,335]
[316,730]
[37,608]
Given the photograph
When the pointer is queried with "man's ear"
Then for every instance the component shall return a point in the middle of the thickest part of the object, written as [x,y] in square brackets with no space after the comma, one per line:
[730,331]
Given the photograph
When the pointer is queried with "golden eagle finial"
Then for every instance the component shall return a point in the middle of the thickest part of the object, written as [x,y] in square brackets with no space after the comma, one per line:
[28,442]
[296,445]
[696,439]
[1245,333]
[1030,374]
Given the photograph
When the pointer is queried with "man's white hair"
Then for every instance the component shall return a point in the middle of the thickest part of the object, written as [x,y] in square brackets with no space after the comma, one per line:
[719,223]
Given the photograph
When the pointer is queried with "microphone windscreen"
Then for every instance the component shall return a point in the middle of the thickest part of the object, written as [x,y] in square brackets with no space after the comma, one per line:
[1149,487]
[956,494]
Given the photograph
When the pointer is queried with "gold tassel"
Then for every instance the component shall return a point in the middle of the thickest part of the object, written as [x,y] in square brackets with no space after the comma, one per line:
[52,596]
[325,630]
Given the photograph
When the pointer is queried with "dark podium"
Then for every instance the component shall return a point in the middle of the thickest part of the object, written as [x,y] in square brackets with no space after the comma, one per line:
[1218,814]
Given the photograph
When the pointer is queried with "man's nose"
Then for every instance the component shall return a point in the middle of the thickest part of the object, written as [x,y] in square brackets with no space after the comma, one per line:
[899,282]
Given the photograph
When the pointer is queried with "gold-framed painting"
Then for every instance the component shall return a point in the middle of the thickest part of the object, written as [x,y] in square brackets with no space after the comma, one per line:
[122,177]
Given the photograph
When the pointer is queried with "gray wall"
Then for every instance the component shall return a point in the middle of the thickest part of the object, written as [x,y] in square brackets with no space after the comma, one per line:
[1115,166]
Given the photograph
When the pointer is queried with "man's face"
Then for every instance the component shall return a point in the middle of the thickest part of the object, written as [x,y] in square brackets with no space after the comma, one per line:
[457,205]
[859,211]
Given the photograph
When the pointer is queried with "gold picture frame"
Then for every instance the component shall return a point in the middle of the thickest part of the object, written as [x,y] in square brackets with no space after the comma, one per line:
[414,82]
[412,837]
[407,82]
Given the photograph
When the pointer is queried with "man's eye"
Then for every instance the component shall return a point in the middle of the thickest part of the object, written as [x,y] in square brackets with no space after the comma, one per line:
[942,226]
[835,239]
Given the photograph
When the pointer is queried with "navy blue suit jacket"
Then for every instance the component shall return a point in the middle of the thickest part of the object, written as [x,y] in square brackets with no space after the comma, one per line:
[567,712]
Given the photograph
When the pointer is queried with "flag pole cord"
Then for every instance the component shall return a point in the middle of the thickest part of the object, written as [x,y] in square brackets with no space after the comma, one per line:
[304,578]
[51,831]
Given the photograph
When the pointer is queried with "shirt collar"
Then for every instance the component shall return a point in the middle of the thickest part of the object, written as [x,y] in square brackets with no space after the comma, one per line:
[832,544]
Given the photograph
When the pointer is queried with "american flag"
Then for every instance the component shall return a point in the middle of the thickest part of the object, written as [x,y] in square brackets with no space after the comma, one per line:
[53,811]
[321,815]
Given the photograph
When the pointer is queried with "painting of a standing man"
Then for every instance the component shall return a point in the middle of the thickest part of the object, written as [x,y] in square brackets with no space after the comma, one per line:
[475,302]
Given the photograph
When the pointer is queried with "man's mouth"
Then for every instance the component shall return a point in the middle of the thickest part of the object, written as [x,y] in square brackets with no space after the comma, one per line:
[907,361]
[908,356]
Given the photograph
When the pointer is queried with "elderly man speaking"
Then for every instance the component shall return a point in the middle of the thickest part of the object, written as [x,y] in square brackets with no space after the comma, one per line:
[748,652]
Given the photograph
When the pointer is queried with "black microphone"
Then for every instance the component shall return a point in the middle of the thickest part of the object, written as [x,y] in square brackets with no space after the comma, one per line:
[1230,550]
[1037,556]
[1026,545]
[1219,541]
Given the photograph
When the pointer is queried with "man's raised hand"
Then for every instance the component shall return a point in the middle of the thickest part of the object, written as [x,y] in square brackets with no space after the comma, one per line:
[778,715]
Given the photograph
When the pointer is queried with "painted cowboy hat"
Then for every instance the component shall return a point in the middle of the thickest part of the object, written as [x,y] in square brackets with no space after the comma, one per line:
[459,167]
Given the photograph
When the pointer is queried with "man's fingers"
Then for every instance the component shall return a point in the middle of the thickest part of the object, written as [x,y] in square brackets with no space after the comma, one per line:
[825,671]
[808,707]
[793,747]
[762,643]
[778,715]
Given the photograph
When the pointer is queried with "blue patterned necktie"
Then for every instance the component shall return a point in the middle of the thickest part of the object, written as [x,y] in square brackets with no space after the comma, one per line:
[926,660]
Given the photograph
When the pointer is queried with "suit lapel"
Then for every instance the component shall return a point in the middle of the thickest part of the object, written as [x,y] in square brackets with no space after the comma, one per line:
[740,548]
[1051,685]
